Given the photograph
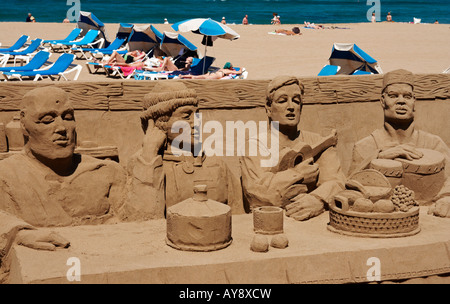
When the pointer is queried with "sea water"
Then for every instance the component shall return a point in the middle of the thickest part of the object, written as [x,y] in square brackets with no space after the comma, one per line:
[258,11]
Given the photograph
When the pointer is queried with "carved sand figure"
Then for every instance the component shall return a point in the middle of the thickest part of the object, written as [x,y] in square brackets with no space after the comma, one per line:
[303,188]
[400,142]
[47,184]
[159,173]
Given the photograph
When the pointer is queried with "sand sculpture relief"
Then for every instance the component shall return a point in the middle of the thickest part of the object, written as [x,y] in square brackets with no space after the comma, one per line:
[395,170]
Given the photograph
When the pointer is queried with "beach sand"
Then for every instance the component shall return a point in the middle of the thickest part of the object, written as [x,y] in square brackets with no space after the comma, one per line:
[420,48]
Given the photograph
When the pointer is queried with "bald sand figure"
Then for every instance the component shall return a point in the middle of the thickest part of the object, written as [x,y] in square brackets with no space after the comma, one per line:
[47,184]
[399,137]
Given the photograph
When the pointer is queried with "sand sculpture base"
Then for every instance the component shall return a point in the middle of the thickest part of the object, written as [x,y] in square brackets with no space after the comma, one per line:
[137,253]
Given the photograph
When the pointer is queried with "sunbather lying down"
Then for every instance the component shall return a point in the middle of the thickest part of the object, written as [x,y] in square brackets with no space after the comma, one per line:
[133,58]
[294,31]
[166,64]
[228,69]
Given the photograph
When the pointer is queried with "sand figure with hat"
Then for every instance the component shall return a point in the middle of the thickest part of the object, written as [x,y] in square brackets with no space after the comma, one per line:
[405,155]
[306,174]
[48,185]
[165,176]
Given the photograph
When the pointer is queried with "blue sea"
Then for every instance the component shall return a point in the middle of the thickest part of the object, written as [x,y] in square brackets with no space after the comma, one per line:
[258,11]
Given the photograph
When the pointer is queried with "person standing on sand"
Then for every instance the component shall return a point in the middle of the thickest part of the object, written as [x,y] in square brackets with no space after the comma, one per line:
[374,19]
[30,18]
[223,21]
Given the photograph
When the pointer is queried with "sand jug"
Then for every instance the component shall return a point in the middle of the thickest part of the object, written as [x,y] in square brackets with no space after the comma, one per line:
[14,134]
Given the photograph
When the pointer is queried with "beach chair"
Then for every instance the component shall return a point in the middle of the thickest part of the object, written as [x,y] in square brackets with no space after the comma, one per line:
[359,72]
[201,66]
[71,37]
[17,45]
[87,41]
[39,60]
[25,54]
[114,46]
[329,70]
[60,68]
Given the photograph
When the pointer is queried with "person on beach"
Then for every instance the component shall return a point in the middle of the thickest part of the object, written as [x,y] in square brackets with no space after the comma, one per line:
[30,18]
[133,58]
[227,69]
[245,20]
[374,19]
[223,21]
[389,17]
[166,64]
[275,19]
[294,31]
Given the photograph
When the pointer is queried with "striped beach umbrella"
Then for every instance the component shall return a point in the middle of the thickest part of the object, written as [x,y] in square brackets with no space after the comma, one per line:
[124,31]
[88,21]
[174,44]
[144,37]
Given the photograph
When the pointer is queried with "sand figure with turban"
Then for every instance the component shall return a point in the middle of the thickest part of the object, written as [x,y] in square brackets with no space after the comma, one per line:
[400,139]
[165,176]
[303,184]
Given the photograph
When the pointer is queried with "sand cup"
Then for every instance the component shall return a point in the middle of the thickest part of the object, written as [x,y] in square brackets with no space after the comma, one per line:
[268,220]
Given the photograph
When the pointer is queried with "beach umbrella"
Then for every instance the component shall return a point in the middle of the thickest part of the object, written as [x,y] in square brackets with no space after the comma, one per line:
[174,44]
[88,21]
[124,31]
[144,37]
[210,29]
[352,60]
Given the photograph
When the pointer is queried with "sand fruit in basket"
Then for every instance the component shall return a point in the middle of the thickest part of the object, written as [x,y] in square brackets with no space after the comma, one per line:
[403,198]
[363,205]
[384,206]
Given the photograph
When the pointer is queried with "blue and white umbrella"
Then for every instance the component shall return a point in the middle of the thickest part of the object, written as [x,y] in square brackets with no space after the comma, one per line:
[351,59]
[174,44]
[88,21]
[210,29]
[144,38]
[124,31]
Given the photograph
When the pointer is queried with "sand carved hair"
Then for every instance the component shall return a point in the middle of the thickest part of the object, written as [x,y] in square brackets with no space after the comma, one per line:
[164,99]
[278,82]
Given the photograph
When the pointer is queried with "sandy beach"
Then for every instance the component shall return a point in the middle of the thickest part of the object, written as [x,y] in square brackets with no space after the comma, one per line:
[420,48]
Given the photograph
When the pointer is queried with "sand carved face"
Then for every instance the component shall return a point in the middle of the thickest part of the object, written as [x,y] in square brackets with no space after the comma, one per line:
[182,114]
[398,102]
[48,123]
[286,105]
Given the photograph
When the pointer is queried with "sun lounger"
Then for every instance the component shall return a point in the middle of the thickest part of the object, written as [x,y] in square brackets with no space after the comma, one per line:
[87,41]
[62,66]
[114,46]
[71,37]
[17,45]
[27,52]
[201,66]
[36,63]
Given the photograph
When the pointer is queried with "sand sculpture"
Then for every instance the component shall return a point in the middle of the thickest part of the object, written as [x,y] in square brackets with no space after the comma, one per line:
[48,185]
[413,158]
[169,177]
[308,174]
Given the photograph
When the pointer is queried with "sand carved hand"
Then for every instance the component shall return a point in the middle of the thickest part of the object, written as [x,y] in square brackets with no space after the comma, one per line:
[153,140]
[308,170]
[41,240]
[401,151]
[304,206]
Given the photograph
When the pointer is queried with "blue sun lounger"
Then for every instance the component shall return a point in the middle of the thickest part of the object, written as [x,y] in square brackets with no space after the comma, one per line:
[71,37]
[114,46]
[58,69]
[87,41]
[36,63]
[19,43]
